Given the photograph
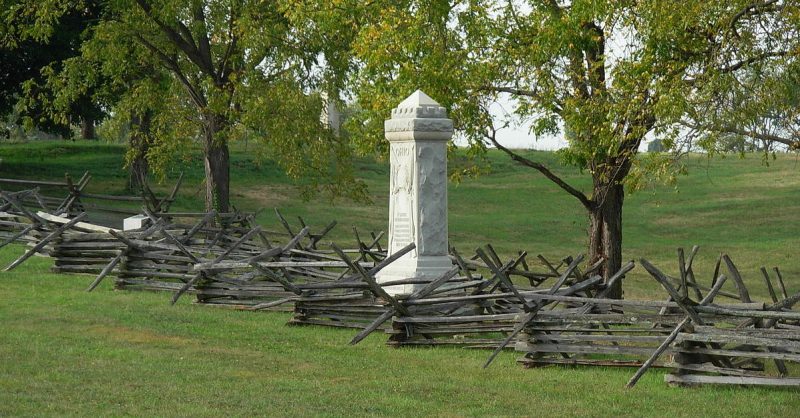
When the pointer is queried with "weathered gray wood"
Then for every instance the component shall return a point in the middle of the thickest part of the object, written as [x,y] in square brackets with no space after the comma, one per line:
[161,256]
[237,244]
[16,236]
[13,201]
[36,248]
[689,272]
[787,303]
[694,379]
[277,277]
[674,335]
[793,346]
[177,243]
[372,327]
[533,362]
[421,293]
[150,273]
[768,314]
[711,368]
[164,204]
[198,226]
[594,267]
[461,264]
[676,296]
[226,265]
[770,289]
[385,262]
[296,239]
[494,263]
[737,278]
[740,353]
[273,304]
[80,225]
[185,287]
[755,332]
[107,269]
[313,254]
[584,349]
[533,311]
[459,319]
[314,240]
[596,338]
[780,282]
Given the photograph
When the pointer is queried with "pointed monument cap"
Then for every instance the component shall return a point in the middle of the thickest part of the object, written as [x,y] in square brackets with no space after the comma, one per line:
[417,99]
[418,118]
[418,105]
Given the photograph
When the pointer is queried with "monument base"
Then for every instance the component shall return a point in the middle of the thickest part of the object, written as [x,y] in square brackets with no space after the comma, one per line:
[423,267]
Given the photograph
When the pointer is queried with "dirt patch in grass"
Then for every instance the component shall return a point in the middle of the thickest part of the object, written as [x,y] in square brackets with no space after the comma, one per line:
[138,336]
[268,195]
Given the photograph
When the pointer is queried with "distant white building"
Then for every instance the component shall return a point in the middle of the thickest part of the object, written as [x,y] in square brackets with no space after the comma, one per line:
[331,116]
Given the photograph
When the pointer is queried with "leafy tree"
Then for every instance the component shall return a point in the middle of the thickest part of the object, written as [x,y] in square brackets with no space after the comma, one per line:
[655,146]
[32,49]
[222,70]
[603,73]
[244,68]
[760,112]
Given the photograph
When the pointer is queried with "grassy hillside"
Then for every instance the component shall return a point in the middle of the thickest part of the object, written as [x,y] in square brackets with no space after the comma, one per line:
[738,206]
[66,352]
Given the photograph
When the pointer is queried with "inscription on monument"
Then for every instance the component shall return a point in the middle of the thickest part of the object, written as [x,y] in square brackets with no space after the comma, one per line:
[402,193]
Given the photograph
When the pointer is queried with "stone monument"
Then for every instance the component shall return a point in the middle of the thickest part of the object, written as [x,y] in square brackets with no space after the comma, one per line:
[417,133]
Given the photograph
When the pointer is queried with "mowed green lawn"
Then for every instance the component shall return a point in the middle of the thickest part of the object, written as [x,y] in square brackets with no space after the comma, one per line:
[67,352]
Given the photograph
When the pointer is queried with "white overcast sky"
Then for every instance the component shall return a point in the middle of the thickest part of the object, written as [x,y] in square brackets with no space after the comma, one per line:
[517,136]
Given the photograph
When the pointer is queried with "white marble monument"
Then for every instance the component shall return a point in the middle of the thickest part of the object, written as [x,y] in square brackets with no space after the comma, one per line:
[418,133]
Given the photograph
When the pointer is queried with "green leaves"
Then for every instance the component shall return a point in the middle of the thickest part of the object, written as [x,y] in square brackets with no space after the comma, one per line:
[603,74]
[223,70]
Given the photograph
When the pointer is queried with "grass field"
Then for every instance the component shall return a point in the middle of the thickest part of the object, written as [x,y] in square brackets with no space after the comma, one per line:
[67,352]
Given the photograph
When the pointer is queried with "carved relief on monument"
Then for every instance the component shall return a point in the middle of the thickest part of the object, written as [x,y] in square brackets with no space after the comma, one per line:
[402,187]
[432,189]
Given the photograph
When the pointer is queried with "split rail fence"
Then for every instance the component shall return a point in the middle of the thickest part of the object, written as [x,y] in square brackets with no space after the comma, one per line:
[551,313]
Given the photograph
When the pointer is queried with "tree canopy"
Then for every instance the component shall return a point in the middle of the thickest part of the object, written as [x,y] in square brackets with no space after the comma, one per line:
[37,40]
[214,71]
[602,74]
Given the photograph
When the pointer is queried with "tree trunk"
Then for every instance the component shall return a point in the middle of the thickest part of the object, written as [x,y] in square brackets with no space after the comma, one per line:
[87,128]
[139,143]
[605,234]
[217,166]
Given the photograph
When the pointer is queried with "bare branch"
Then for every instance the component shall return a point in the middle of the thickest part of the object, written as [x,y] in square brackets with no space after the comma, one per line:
[585,201]
[791,143]
[557,107]
[753,60]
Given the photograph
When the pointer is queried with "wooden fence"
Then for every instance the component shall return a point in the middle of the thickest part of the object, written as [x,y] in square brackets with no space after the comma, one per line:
[551,313]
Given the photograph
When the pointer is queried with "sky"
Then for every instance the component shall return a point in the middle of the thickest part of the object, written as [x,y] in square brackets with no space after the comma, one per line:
[518,137]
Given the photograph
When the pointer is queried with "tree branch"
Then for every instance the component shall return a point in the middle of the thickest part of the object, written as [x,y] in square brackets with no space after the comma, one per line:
[753,9]
[223,71]
[793,144]
[187,46]
[172,65]
[585,201]
[557,107]
[203,44]
[752,60]
[595,58]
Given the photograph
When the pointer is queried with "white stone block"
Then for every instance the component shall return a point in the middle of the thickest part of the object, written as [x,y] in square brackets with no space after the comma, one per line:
[135,222]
